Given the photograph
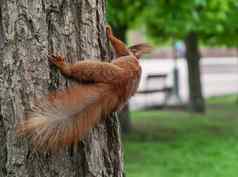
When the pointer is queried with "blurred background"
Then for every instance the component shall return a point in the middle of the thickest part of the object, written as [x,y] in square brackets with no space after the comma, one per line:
[183,121]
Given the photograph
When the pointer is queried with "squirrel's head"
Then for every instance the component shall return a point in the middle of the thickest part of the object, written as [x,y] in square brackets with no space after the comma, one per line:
[140,49]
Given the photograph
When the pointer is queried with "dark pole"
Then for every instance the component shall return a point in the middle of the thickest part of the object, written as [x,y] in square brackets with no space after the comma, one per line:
[176,74]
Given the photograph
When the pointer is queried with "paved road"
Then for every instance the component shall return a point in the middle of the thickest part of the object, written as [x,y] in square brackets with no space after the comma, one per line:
[219,77]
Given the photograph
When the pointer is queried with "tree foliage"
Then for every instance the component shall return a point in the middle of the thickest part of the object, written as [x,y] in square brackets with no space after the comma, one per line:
[229,35]
[124,13]
[212,20]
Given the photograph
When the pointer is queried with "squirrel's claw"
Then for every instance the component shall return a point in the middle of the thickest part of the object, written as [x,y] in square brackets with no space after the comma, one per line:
[56,60]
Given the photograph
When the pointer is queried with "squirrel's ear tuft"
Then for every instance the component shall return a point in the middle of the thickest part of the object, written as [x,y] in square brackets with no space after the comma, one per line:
[140,49]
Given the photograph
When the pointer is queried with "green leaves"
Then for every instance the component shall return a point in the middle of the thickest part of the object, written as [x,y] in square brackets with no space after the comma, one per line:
[213,20]
[210,19]
[124,12]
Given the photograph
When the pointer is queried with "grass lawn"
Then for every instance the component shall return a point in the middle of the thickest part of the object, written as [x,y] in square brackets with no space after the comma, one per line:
[181,144]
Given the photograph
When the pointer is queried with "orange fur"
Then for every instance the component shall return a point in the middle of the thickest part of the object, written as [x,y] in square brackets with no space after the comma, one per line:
[64,117]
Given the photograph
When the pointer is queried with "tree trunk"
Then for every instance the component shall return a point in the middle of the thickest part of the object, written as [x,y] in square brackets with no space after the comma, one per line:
[29,30]
[124,115]
[197,103]
[125,121]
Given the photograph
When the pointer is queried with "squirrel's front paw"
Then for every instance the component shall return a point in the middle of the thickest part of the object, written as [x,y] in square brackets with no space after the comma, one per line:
[56,60]
[109,30]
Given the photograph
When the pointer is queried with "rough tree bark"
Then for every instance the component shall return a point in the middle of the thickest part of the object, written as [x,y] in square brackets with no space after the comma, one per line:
[197,103]
[124,115]
[125,121]
[29,30]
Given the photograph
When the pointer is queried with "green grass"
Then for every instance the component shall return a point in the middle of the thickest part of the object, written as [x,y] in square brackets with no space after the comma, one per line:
[181,144]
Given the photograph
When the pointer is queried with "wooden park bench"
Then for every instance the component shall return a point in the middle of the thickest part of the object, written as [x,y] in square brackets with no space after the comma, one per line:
[160,78]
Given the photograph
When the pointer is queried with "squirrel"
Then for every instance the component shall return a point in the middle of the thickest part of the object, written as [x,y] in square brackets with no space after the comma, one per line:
[65,117]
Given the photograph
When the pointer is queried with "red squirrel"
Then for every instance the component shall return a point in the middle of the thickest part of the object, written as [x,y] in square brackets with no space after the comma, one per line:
[65,117]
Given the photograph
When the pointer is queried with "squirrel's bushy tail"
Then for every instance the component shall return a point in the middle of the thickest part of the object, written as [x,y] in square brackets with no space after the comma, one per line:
[66,116]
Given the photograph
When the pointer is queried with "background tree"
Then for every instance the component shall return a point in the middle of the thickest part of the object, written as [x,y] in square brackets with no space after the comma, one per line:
[122,16]
[191,21]
[29,30]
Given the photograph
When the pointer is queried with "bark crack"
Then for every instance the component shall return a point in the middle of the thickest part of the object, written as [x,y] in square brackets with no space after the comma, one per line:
[3,148]
[101,34]
[2,37]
